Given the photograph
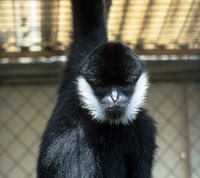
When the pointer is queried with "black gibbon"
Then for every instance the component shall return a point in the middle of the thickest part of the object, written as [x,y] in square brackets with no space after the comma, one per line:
[98,128]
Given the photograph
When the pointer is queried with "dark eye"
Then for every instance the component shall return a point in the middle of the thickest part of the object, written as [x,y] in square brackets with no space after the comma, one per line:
[101,85]
[125,83]
[100,89]
[126,88]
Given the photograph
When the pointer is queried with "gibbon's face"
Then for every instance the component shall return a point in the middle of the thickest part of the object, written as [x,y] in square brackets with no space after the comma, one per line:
[113,84]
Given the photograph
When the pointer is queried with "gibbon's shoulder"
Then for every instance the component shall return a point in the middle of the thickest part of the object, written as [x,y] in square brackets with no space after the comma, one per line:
[145,128]
[144,118]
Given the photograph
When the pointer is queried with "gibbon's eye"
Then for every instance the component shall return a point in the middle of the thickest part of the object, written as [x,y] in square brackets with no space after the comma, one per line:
[102,85]
[126,83]
[100,88]
[126,86]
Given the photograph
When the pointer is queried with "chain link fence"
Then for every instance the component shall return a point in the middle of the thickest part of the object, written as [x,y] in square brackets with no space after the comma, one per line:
[25,109]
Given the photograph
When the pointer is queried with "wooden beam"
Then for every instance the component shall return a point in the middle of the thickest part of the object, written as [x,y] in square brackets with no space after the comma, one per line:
[168,52]
[18,74]
[137,51]
[31,54]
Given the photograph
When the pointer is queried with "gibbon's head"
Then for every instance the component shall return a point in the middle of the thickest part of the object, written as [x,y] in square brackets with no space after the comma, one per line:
[113,84]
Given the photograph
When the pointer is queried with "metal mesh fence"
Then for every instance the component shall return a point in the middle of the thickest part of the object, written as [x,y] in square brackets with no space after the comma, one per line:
[25,109]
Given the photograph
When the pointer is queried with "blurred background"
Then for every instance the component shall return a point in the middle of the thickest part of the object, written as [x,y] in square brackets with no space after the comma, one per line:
[34,43]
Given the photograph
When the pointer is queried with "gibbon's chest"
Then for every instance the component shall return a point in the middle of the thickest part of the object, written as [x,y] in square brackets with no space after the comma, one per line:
[78,154]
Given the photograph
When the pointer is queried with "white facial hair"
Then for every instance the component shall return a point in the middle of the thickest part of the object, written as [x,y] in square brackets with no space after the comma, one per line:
[90,102]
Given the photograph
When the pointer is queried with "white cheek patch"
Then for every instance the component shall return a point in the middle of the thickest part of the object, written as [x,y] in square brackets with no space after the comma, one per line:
[89,101]
[138,98]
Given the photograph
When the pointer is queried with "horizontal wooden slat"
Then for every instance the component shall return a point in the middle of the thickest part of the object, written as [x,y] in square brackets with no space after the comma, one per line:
[40,73]
[137,51]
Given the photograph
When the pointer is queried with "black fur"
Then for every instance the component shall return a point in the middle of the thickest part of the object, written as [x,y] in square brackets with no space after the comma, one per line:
[73,144]
[115,65]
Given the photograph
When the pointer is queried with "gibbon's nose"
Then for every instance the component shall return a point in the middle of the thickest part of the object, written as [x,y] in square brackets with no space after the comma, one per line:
[114,95]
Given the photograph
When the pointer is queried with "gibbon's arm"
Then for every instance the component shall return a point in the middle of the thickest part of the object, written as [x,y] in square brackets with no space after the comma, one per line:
[89,27]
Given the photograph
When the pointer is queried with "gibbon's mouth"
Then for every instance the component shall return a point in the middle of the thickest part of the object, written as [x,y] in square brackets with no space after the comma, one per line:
[114,112]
